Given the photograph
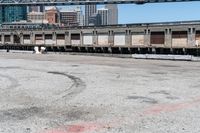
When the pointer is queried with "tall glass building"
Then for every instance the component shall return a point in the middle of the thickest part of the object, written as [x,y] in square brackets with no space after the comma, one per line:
[14,13]
[1,14]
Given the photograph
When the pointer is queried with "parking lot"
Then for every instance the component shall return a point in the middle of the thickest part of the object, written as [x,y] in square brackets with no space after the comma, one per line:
[56,93]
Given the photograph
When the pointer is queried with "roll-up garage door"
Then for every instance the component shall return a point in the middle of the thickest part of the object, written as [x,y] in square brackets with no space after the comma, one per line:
[39,39]
[138,39]
[87,39]
[103,39]
[119,39]
[197,38]
[179,38]
[27,39]
[75,39]
[60,39]
[157,37]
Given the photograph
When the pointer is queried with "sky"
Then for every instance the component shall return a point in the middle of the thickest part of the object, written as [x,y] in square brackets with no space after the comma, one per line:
[158,12]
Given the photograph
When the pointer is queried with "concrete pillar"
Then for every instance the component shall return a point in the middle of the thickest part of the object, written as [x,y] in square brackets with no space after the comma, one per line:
[2,38]
[94,38]
[43,37]
[54,38]
[128,38]
[21,38]
[191,37]
[12,38]
[111,38]
[147,37]
[67,39]
[32,37]
[168,38]
[81,38]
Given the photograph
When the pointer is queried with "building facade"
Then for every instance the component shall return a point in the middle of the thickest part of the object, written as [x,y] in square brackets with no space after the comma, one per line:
[68,18]
[1,14]
[52,15]
[113,13]
[36,17]
[89,11]
[36,9]
[12,13]
[95,19]
[103,12]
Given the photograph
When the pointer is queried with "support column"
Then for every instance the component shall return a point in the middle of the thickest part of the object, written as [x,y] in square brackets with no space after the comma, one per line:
[111,38]
[32,37]
[81,38]
[2,38]
[21,38]
[54,38]
[67,39]
[12,38]
[128,38]
[94,38]
[168,38]
[147,37]
[43,37]
[191,37]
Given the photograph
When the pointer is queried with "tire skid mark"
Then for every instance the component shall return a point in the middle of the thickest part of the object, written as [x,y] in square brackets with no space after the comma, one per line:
[77,86]
[13,82]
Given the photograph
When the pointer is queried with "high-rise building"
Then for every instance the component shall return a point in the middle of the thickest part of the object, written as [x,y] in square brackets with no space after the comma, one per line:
[1,14]
[89,11]
[103,12]
[69,18]
[80,17]
[36,9]
[14,13]
[95,20]
[113,13]
[52,15]
[36,17]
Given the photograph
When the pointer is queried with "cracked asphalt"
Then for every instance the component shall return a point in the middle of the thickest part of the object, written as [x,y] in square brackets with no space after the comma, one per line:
[55,93]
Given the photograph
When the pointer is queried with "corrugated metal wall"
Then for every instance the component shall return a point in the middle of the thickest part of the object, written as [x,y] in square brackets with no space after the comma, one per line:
[179,38]
[157,38]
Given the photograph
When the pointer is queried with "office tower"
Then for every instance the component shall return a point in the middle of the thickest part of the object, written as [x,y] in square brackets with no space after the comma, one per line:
[1,14]
[14,13]
[95,19]
[103,12]
[89,11]
[69,18]
[36,17]
[113,13]
[80,17]
[52,15]
[36,9]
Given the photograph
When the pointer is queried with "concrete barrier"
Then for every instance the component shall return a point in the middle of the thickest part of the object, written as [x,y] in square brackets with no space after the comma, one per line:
[163,57]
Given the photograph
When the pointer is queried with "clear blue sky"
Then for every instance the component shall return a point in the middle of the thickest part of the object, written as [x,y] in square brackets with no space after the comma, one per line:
[159,12]
[163,12]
